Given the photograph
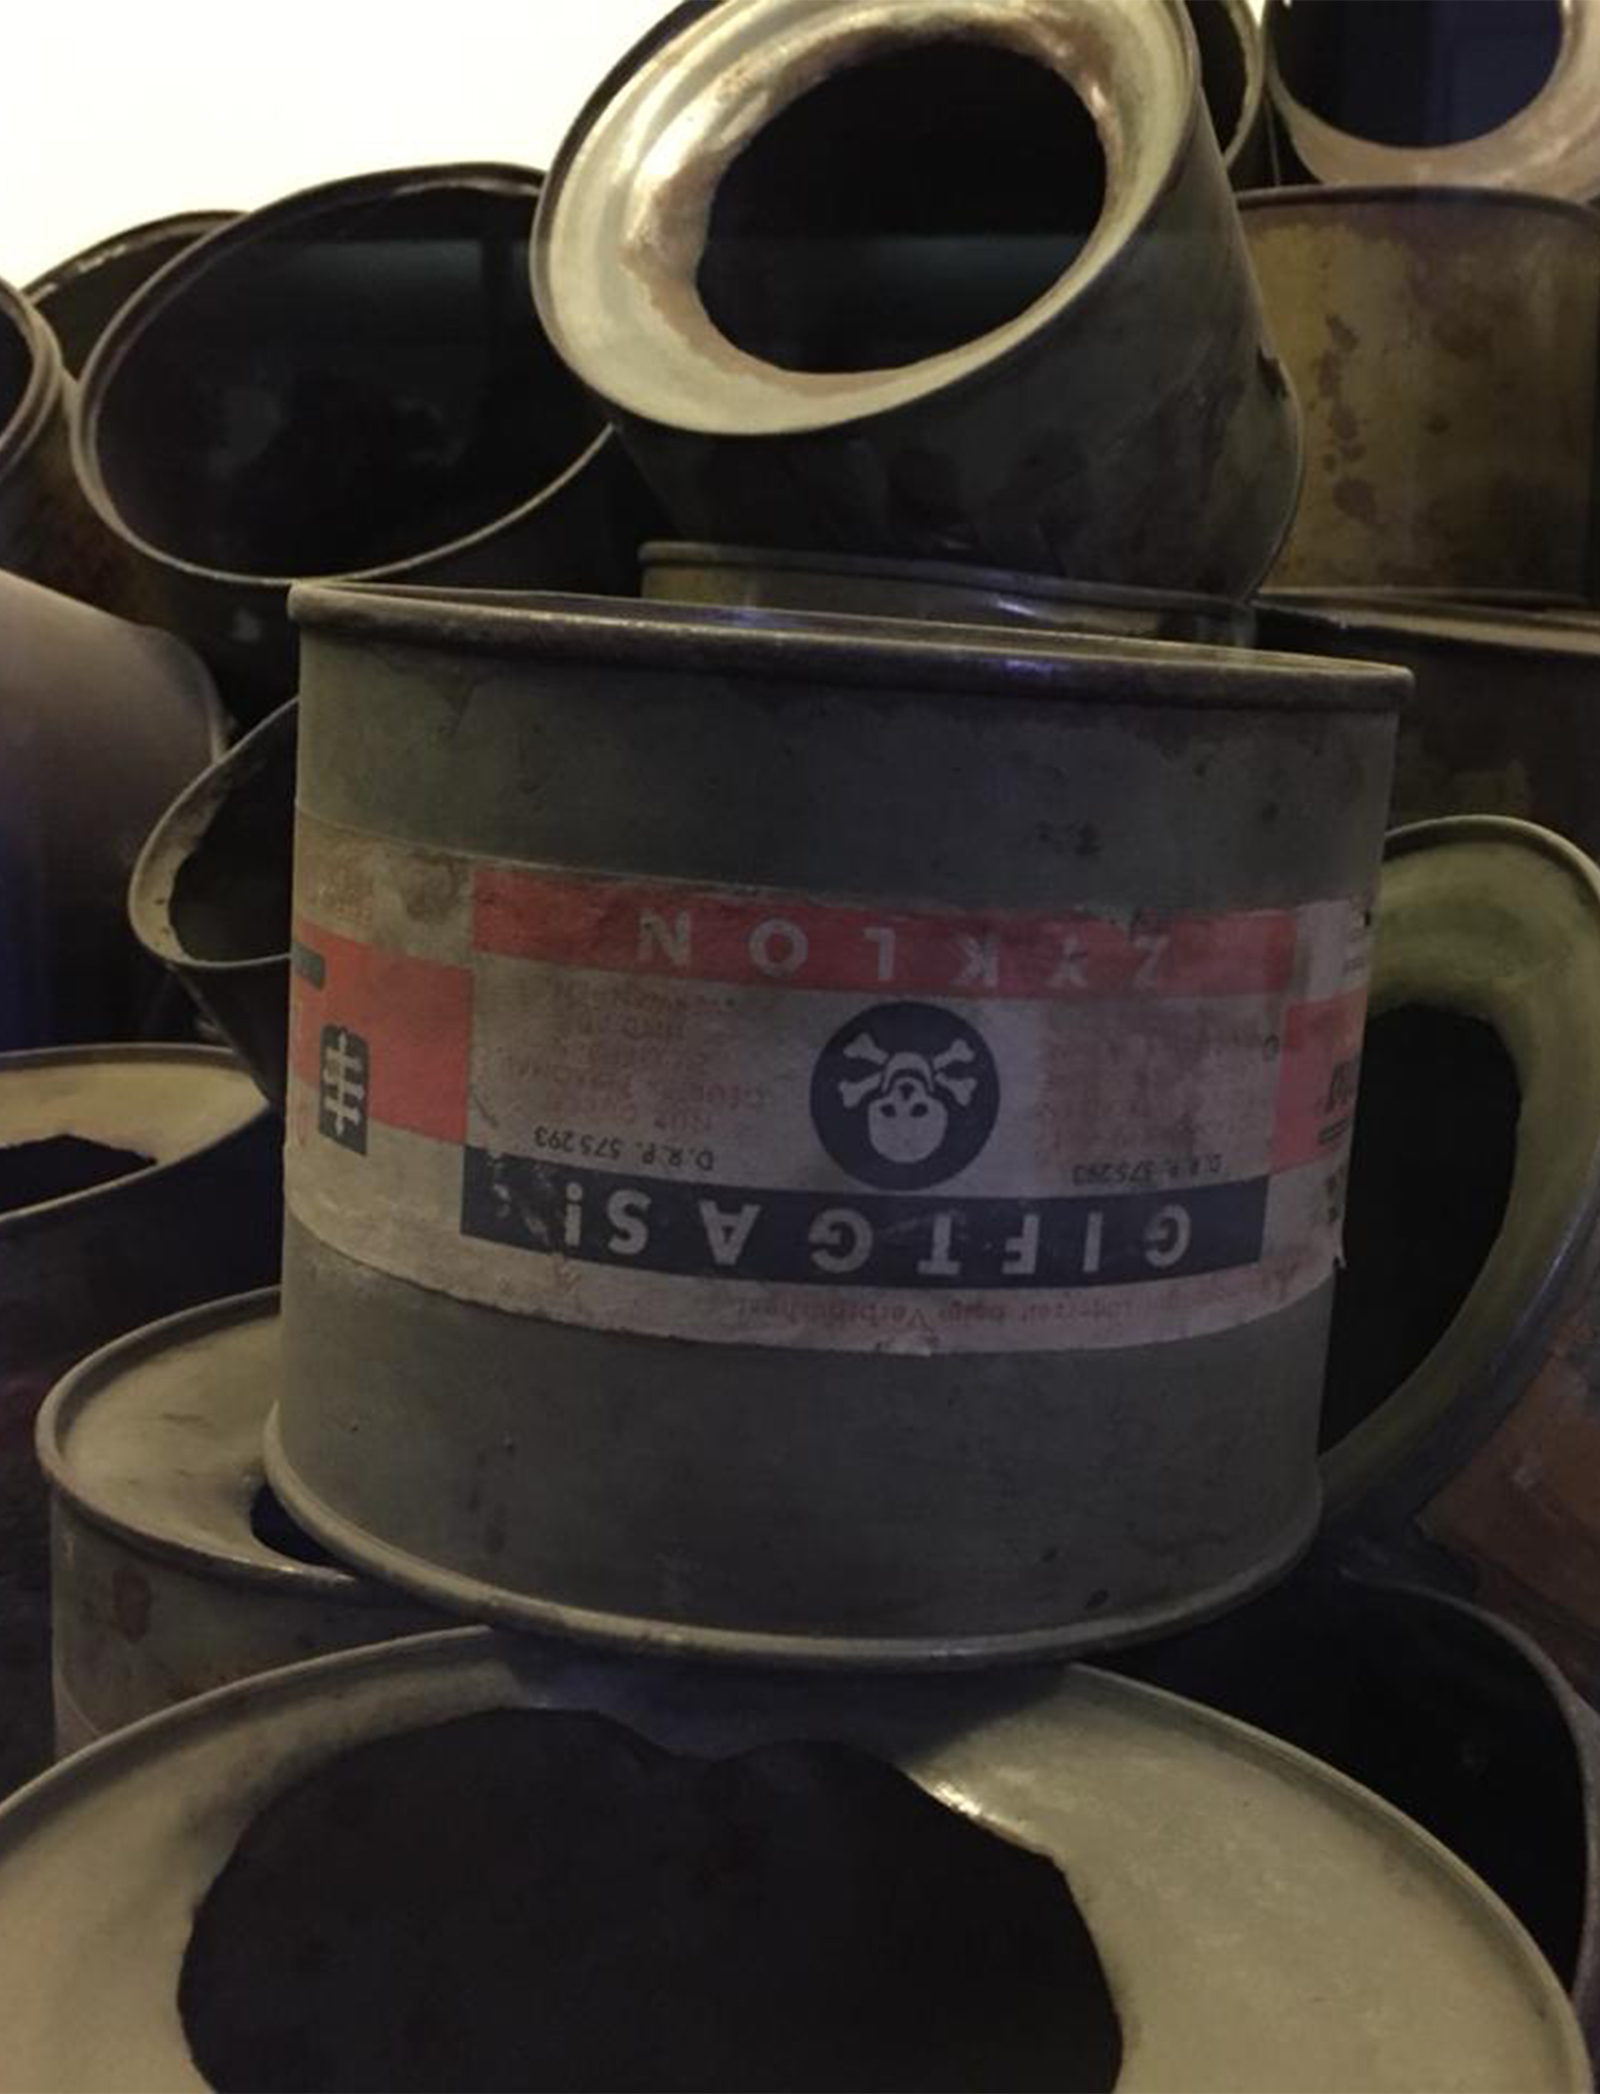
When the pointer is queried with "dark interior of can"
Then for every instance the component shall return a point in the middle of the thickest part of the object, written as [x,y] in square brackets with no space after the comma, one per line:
[58,1164]
[1223,73]
[231,895]
[1424,73]
[901,207]
[525,1899]
[345,390]
[1428,1706]
[86,300]
[16,367]
[274,1527]
[1430,1174]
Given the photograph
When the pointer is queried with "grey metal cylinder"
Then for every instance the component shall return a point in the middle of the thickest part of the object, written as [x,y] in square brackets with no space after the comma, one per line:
[101,722]
[350,380]
[815,1139]
[943,590]
[210,894]
[81,296]
[1262,1922]
[47,532]
[893,289]
[1444,345]
[1500,93]
[173,1569]
[133,1182]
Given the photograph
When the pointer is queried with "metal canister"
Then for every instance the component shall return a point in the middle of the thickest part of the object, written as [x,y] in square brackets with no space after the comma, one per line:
[1459,1424]
[82,295]
[1233,78]
[100,724]
[210,894]
[890,288]
[43,530]
[813,1137]
[1505,714]
[1443,344]
[1497,92]
[1450,1714]
[174,1570]
[133,1182]
[1250,1921]
[946,591]
[352,379]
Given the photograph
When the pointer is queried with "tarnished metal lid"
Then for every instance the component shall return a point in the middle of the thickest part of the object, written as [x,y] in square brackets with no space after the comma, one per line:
[1263,1923]
[157,1439]
[846,650]
[122,1112]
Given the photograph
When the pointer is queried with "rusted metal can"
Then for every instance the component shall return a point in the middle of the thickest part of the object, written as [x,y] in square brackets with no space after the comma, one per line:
[1505,715]
[943,590]
[1459,1419]
[46,531]
[81,296]
[100,724]
[1233,78]
[1450,1714]
[133,1181]
[1245,1919]
[210,894]
[352,379]
[887,287]
[1443,344]
[174,1570]
[1494,92]
[993,1180]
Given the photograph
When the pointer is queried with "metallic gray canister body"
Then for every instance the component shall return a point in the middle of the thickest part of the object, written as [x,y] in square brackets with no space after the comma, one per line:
[1443,344]
[100,724]
[47,531]
[161,1586]
[1038,444]
[830,1505]
[932,589]
[210,894]
[1265,1925]
[362,291]
[81,296]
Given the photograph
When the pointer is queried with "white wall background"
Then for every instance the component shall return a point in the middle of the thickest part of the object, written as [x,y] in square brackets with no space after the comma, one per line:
[115,111]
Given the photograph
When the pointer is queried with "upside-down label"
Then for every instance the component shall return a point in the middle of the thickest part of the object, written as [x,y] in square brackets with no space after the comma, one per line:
[775,1119]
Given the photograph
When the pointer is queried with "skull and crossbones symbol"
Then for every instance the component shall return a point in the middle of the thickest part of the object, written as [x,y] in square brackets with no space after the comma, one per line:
[907,1118]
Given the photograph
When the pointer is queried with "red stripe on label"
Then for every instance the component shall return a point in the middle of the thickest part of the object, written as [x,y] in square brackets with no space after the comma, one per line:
[1317,1089]
[618,927]
[414,1015]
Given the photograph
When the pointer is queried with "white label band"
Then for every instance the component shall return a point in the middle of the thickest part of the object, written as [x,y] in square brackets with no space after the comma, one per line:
[770,1119]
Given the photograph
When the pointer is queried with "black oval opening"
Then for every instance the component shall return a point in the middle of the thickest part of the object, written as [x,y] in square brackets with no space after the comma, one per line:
[902,207]
[16,367]
[273,1526]
[1223,65]
[86,299]
[231,897]
[1430,1174]
[528,1900]
[349,390]
[1416,72]
[59,1164]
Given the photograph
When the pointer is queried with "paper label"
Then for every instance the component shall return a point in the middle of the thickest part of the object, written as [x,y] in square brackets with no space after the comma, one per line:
[767,1118]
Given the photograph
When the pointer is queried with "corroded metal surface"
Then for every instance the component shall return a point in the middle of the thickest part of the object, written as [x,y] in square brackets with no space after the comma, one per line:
[1266,1927]
[100,724]
[941,1503]
[133,1181]
[1463,1444]
[82,295]
[1549,145]
[1444,347]
[994,359]
[172,1570]
[386,404]
[210,894]
[942,590]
